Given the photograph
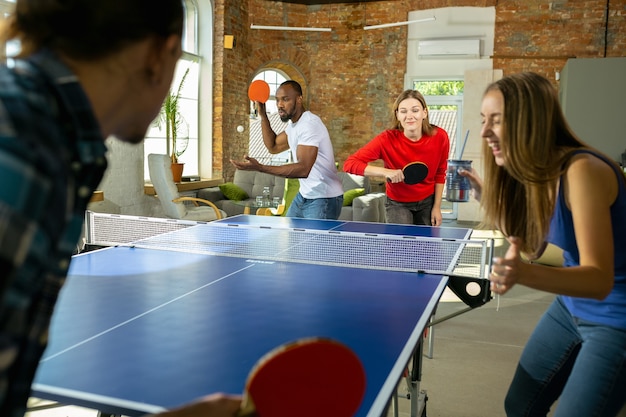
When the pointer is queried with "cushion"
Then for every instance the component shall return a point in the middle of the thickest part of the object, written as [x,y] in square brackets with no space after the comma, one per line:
[233,192]
[350,195]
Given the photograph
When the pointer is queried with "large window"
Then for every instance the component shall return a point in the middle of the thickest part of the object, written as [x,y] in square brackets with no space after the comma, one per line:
[6,6]
[11,48]
[445,104]
[188,103]
[445,101]
[155,139]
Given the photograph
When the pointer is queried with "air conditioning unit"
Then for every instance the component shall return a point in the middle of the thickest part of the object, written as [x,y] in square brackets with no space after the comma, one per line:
[449,48]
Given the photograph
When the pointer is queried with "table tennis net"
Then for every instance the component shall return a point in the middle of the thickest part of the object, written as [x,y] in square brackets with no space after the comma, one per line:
[351,249]
[105,229]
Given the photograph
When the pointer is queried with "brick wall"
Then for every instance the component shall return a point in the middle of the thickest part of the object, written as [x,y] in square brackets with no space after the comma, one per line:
[541,36]
[352,76]
[230,84]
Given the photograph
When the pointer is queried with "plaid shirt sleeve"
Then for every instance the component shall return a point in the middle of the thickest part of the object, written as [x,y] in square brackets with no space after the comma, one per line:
[51,160]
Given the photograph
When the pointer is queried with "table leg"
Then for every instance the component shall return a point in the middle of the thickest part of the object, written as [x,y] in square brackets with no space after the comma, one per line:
[418,397]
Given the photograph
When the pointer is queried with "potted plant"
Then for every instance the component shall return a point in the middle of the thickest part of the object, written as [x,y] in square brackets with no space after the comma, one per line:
[176,128]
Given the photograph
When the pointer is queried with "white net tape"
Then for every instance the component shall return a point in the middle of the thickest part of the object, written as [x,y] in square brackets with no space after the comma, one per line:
[362,250]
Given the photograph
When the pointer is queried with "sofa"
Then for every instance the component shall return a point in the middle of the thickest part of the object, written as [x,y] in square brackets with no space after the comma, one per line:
[251,183]
[368,207]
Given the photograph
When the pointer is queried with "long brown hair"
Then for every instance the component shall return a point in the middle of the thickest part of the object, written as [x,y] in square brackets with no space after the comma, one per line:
[90,29]
[519,197]
[427,128]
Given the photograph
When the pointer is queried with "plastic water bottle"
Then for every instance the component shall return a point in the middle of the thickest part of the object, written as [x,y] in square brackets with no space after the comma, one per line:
[267,199]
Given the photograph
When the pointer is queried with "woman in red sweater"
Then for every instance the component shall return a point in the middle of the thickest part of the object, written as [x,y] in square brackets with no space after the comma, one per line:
[411,139]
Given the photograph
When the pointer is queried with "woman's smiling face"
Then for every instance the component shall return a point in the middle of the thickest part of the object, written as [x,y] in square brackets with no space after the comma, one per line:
[492,112]
[411,115]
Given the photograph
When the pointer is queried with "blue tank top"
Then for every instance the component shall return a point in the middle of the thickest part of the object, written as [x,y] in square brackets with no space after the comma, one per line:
[612,310]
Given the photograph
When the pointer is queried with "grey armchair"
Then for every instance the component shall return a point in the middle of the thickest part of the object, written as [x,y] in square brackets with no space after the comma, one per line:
[171,201]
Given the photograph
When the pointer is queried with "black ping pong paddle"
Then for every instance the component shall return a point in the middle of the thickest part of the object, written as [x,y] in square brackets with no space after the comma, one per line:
[310,377]
[415,172]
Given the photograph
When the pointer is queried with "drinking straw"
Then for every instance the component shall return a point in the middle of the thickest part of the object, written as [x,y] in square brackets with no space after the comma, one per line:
[464,143]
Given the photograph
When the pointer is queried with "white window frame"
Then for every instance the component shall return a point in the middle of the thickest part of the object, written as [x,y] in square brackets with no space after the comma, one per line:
[155,141]
[12,47]
[449,210]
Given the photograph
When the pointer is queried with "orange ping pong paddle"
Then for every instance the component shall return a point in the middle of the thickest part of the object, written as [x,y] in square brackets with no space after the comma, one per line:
[309,377]
[259,91]
[415,172]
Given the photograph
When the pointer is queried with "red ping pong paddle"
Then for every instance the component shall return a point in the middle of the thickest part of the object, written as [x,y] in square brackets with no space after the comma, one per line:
[415,172]
[259,91]
[310,377]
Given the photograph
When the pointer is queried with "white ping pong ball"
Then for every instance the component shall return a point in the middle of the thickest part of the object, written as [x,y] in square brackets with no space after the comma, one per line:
[240,128]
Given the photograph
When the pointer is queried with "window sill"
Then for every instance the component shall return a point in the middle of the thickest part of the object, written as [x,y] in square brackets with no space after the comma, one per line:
[188,185]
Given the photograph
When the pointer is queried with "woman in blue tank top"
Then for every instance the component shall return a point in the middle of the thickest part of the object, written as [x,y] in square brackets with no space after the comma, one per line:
[543,184]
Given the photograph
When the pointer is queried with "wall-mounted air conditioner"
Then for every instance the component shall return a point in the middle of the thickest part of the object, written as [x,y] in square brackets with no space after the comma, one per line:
[448,48]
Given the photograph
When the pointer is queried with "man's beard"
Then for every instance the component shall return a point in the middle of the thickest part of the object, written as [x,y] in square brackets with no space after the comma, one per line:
[286,117]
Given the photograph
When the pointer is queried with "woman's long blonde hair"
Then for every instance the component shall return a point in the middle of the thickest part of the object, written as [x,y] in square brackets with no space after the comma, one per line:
[519,197]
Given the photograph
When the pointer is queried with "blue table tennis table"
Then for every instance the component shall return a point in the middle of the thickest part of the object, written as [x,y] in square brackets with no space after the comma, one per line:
[144,327]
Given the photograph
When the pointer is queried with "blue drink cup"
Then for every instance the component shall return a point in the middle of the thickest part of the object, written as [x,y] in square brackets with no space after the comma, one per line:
[457,186]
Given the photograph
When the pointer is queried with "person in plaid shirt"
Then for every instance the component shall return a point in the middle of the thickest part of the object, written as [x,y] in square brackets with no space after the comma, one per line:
[87,69]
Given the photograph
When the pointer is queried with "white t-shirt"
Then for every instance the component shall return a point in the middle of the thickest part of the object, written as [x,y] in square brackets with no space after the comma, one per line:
[323,181]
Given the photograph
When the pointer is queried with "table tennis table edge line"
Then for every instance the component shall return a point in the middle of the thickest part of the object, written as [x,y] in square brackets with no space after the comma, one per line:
[96,399]
[379,403]
[411,341]
[125,322]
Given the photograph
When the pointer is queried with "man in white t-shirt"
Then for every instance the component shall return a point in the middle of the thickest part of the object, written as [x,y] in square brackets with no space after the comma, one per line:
[321,193]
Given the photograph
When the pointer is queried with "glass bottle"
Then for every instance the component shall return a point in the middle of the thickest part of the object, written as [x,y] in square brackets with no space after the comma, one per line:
[267,199]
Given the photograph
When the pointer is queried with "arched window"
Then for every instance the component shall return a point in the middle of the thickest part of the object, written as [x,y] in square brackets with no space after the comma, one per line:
[256,146]
[274,78]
